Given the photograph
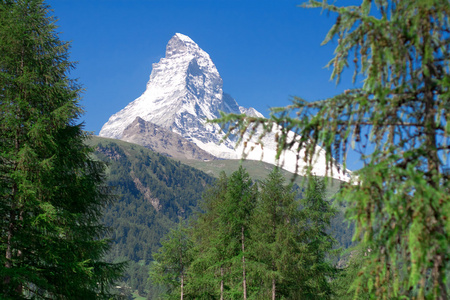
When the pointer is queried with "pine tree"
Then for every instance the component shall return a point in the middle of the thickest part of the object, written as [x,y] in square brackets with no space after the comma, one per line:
[172,261]
[236,215]
[209,269]
[318,214]
[51,191]
[343,285]
[398,122]
[278,239]
[291,240]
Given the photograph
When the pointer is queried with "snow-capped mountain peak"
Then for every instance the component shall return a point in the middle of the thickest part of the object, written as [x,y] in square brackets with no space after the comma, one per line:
[181,44]
[184,90]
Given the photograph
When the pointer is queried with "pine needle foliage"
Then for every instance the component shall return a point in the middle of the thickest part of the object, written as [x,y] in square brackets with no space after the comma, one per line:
[236,217]
[398,123]
[318,212]
[172,261]
[343,285]
[209,272]
[51,191]
[278,243]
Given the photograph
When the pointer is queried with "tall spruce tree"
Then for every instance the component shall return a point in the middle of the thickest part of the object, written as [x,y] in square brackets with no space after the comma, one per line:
[278,240]
[209,270]
[172,261]
[51,192]
[235,218]
[398,122]
[291,241]
[318,213]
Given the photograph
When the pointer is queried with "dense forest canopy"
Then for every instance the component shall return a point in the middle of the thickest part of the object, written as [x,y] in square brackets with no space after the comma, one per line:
[142,179]
[252,243]
[153,192]
[398,120]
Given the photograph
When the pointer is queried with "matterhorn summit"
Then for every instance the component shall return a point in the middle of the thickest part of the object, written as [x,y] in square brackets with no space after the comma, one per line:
[184,90]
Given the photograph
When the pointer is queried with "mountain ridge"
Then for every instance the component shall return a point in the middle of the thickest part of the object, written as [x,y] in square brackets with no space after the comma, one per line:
[184,91]
[161,140]
[154,190]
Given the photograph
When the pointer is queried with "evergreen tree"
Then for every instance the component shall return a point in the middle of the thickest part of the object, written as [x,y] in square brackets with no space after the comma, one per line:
[398,121]
[318,214]
[235,217]
[278,239]
[343,285]
[209,269]
[51,191]
[291,240]
[172,260]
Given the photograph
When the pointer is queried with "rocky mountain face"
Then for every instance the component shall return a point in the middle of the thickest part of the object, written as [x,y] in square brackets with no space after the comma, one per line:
[161,140]
[184,90]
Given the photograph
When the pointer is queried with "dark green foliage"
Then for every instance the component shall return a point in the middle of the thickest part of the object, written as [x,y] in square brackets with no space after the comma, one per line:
[220,234]
[51,191]
[138,227]
[235,218]
[172,260]
[278,240]
[259,245]
[291,241]
[318,214]
[345,285]
[398,123]
[153,192]
[209,269]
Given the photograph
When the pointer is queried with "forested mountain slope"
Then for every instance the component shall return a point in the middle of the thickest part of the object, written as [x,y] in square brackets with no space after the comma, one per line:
[153,191]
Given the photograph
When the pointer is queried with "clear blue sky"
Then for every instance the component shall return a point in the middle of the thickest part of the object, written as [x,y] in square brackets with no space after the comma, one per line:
[265,50]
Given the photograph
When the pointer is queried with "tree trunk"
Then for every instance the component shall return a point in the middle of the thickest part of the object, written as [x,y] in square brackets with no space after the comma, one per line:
[8,255]
[182,285]
[221,283]
[433,167]
[273,283]
[273,289]
[181,270]
[19,287]
[273,259]
[10,233]
[244,283]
